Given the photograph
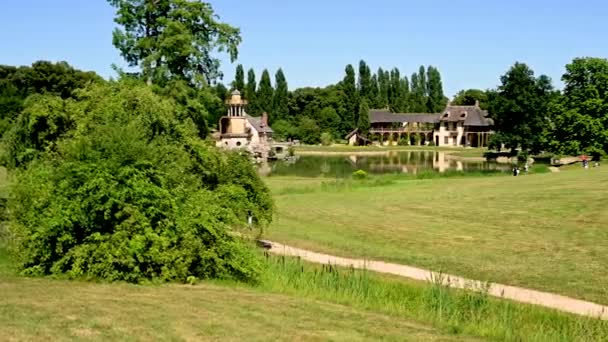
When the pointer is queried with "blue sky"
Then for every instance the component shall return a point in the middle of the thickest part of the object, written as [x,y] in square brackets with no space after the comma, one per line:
[472,42]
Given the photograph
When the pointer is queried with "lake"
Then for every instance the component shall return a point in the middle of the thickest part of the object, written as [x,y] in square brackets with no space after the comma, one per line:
[343,165]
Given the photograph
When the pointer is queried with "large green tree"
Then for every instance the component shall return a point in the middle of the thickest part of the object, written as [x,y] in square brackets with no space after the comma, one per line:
[170,39]
[351,99]
[250,93]
[265,93]
[579,123]
[469,97]
[365,82]
[436,100]
[280,98]
[383,88]
[395,91]
[239,78]
[519,108]
[363,120]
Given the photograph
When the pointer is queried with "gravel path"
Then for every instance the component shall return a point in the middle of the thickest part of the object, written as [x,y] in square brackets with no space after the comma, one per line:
[518,294]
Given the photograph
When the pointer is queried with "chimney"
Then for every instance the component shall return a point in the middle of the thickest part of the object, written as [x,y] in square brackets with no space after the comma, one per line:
[264,119]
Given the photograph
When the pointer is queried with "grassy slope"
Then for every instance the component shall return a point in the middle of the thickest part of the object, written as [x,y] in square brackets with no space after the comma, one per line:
[546,231]
[56,310]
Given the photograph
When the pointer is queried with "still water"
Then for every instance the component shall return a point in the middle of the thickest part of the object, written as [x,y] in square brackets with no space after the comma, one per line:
[389,162]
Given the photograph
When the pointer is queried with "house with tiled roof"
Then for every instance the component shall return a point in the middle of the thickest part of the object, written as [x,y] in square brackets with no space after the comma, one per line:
[454,126]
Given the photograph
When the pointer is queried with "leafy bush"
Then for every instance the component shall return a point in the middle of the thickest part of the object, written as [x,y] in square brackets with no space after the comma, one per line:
[131,193]
[359,174]
[326,139]
[403,142]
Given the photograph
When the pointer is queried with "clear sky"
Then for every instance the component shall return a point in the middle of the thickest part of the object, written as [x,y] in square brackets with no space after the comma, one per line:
[472,42]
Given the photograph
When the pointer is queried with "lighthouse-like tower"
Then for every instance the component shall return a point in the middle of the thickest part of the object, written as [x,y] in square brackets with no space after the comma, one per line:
[238,130]
[236,105]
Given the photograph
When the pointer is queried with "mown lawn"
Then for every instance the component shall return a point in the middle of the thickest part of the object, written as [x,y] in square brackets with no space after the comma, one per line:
[60,310]
[546,231]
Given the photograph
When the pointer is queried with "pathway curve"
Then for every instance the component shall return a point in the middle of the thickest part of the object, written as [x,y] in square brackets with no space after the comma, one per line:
[519,294]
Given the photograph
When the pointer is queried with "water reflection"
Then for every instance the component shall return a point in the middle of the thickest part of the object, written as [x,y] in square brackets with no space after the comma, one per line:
[390,162]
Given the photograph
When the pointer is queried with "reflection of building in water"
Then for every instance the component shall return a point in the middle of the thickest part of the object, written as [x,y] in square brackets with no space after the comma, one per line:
[441,162]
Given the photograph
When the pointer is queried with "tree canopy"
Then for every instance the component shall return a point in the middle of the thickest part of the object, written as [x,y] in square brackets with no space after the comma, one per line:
[173,39]
[520,108]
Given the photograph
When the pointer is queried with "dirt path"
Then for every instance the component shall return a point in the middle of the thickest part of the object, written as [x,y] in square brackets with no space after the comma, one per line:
[518,294]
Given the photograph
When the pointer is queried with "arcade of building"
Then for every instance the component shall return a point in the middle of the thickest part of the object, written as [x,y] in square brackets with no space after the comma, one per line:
[465,126]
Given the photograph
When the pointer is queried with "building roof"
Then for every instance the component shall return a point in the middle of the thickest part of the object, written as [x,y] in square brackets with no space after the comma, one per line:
[471,115]
[256,122]
[384,116]
[349,135]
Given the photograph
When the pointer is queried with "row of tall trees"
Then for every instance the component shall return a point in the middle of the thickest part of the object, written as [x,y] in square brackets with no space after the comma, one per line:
[338,109]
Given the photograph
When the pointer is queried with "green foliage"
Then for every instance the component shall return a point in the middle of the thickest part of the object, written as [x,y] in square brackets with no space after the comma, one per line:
[365,82]
[436,100]
[250,93]
[326,139]
[363,121]
[308,131]
[284,130]
[471,96]
[42,77]
[130,193]
[280,106]
[351,100]
[173,39]
[265,94]
[519,108]
[579,121]
[239,79]
[359,175]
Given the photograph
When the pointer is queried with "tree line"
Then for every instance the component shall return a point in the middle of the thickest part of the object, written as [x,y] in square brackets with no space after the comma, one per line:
[531,116]
[306,113]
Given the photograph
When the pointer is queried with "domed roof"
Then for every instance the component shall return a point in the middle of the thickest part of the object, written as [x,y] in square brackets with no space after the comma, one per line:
[236,92]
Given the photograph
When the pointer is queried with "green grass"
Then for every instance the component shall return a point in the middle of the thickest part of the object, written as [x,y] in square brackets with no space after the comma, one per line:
[293,301]
[545,231]
[453,311]
[57,310]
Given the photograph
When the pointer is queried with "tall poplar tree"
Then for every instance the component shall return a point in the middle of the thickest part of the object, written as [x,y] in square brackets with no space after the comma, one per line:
[351,101]
[264,94]
[239,79]
[395,91]
[375,93]
[363,120]
[365,81]
[280,107]
[384,86]
[436,100]
[250,93]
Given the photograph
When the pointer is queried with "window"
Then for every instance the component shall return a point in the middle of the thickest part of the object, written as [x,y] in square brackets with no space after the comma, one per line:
[446,140]
[238,144]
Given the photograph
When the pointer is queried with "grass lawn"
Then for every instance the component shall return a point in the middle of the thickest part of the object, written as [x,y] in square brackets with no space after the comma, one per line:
[57,310]
[545,231]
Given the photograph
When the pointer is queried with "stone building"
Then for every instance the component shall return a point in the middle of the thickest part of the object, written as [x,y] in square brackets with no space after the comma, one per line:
[239,130]
[466,126]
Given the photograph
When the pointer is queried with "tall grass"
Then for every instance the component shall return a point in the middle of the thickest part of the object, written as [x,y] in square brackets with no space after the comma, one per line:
[456,311]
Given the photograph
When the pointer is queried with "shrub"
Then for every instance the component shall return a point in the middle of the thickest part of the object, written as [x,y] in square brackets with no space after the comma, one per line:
[359,174]
[326,139]
[133,194]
